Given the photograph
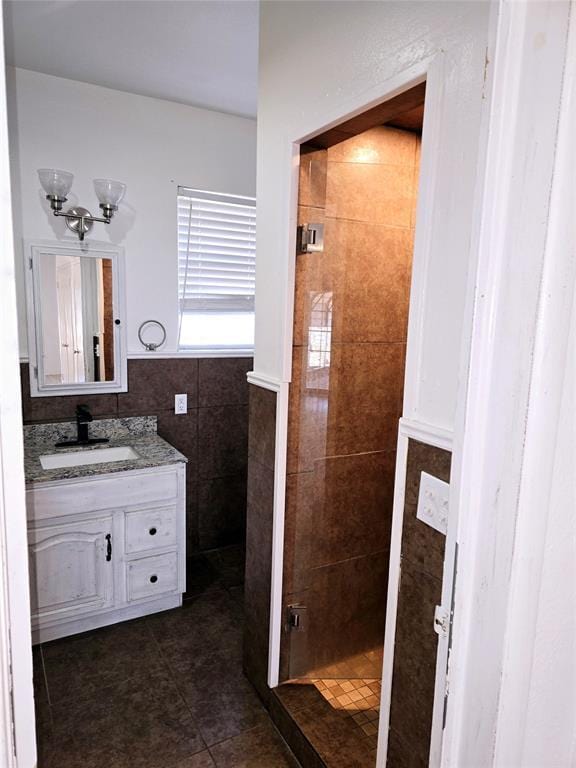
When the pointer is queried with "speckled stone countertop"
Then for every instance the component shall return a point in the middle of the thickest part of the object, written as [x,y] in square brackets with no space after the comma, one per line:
[138,432]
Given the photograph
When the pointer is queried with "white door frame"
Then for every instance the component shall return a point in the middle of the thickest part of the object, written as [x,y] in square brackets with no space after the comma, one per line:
[430,69]
[17,727]
[503,375]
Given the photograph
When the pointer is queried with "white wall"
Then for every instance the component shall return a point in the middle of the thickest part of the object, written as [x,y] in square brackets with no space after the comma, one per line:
[318,62]
[152,146]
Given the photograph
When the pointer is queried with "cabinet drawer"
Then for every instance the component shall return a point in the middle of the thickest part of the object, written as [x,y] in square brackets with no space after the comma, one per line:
[150,529]
[114,491]
[151,576]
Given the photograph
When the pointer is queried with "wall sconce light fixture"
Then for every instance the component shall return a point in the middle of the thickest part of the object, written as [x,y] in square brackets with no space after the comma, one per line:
[57,184]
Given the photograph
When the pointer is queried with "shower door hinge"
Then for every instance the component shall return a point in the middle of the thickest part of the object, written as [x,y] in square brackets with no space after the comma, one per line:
[297,618]
[311,238]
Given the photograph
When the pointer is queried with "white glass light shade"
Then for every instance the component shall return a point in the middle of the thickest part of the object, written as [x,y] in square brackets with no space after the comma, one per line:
[109,192]
[55,182]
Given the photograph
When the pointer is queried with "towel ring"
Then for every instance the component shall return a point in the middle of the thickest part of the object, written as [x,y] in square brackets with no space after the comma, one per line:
[150,346]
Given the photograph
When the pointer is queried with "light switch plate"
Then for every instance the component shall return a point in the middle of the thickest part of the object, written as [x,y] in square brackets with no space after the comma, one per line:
[433,502]
[180,403]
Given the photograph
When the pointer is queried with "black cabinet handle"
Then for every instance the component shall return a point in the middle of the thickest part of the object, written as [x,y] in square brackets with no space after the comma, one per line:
[153,579]
[152,531]
[108,547]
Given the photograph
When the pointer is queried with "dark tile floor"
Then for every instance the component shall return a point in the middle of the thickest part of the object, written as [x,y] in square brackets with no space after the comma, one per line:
[166,691]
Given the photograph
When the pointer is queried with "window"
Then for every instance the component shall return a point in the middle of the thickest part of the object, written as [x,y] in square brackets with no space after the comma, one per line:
[216,271]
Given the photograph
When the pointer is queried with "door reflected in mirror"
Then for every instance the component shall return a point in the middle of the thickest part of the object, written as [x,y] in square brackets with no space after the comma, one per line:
[77,318]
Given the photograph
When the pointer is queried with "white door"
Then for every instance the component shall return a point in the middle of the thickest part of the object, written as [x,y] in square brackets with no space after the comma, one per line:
[70,319]
[71,569]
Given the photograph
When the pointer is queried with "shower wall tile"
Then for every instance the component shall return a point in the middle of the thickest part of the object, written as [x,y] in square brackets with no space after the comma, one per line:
[316,274]
[259,523]
[312,189]
[383,145]
[299,531]
[357,368]
[343,416]
[370,301]
[379,194]
[307,416]
[351,513]
[365,380]
[420,590]
[345,616]
[220,384]
[416,182]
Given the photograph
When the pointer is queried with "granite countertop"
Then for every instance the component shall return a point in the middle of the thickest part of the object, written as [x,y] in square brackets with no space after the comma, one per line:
[138,432]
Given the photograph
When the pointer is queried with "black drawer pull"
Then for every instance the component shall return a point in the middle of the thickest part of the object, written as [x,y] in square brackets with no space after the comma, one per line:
[153,579]
[152,531]
[108,538]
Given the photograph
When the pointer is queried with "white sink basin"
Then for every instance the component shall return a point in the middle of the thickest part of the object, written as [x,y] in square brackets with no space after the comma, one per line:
[94,456]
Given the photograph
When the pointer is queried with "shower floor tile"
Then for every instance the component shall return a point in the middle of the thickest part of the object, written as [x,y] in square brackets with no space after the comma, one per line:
[358,701]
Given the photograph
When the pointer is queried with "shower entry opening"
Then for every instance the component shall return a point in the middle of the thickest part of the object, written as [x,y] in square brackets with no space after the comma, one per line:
[356,216]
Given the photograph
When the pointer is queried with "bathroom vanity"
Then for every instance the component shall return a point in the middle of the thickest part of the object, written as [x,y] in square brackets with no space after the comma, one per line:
[106,526]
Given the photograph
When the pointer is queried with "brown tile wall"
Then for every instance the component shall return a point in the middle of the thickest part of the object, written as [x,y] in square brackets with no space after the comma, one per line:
[261,457]
[213,435]
[343,420]
[422,560]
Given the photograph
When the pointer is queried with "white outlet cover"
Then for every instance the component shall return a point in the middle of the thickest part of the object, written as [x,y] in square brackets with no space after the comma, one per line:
[433,502]
[180,403]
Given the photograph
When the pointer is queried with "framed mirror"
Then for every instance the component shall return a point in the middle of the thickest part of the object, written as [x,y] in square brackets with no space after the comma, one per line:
[76,318]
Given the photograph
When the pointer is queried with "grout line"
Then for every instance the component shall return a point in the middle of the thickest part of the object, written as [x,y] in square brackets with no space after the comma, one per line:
[45,676]
[240,733]
[174,680]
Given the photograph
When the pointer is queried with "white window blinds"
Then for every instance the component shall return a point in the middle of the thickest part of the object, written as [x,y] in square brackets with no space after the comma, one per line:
[216,252]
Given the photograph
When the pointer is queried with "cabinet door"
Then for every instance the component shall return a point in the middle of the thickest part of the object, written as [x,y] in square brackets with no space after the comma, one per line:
[71,569]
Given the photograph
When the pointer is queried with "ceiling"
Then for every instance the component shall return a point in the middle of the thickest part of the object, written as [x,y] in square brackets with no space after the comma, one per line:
[406,111]
[198,52]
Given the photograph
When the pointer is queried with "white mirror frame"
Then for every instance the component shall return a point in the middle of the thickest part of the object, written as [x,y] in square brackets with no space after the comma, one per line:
[91,249]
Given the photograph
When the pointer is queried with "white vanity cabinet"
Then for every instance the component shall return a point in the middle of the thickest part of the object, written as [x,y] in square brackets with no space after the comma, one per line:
[105,548]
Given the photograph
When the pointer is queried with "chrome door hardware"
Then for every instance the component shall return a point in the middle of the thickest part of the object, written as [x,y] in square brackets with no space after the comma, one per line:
[297,618]
[311,238]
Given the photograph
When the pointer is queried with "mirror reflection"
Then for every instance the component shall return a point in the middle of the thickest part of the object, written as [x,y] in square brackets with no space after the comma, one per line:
[77,318]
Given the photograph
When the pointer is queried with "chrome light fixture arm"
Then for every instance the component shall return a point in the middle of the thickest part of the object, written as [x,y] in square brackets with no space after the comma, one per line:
[87,216]
[79,220]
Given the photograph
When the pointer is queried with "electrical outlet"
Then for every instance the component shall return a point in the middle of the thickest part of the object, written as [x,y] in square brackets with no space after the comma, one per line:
[180,403]
[433,502]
